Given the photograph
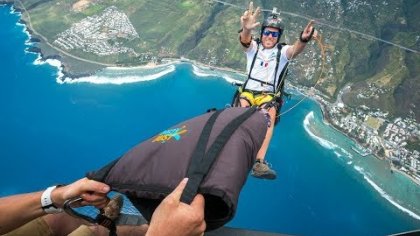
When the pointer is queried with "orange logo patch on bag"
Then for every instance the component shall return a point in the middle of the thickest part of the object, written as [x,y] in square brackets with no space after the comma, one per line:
[170,134]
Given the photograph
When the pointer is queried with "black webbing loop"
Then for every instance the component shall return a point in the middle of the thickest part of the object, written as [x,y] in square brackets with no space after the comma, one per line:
[202,161]
[198,155]
[108,223]
[200,148]
[99,219]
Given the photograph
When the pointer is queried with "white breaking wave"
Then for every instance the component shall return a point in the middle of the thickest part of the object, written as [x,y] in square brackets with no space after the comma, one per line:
[346,153]
[384,194]
[121,79]
[338,151]
[389,198]
[208,72]
[38,60]
[337,154]
[24,28]
[360,170]
[134,68]
[325,143]
[200,72]
[52,62]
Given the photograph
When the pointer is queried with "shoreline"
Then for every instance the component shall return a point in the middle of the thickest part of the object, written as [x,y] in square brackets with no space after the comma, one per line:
[212,67]
[66,66]
[327,121]
[67,73]
[413,179]
[34,39]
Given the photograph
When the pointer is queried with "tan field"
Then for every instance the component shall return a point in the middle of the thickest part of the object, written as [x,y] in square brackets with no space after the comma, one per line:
[81,5]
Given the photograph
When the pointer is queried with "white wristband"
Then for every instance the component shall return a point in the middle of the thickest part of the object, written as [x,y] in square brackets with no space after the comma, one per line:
[46,202]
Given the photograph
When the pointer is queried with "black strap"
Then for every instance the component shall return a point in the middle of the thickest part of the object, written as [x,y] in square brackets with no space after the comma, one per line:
[201,160]
[279,86]
[252,65]
[279,46]
[200,148]
[100,219]
[262,82]
[199,152]
[108,223]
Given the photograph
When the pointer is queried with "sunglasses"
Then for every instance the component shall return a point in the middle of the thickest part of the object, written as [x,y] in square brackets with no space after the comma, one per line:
[273,34]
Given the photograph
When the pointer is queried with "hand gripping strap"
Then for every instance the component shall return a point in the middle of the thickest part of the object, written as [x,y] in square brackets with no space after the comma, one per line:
[201,161]
[100,219]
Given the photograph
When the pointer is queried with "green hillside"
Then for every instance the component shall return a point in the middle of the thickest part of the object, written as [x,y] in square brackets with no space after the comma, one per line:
[206,31]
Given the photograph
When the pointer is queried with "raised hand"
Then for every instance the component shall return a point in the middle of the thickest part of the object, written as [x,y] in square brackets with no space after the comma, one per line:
[309,32]
[249,18]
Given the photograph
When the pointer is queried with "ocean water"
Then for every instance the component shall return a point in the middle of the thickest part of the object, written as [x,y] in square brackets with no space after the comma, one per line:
[54,132]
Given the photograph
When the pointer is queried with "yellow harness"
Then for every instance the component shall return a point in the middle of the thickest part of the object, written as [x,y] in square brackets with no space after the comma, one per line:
[257,99]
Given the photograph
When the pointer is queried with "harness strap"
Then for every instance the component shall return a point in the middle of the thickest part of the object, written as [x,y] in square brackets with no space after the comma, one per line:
[277,90]
[108,223]
[280,86]
[252,64]
[279,46]
[262,82]
[99,219]
[201,160]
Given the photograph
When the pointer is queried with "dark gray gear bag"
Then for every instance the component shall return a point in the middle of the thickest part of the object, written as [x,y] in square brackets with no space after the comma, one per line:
[215,151]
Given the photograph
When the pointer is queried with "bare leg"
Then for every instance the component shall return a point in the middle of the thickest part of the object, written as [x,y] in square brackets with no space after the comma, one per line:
[36,227]
[260,169]
[132,230]
[84,230]
[264,147]
[63,224]
[244,103]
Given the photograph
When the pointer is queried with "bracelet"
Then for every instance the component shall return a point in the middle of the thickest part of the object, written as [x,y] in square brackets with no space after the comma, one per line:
[46,201]
[246,45]
[308,39]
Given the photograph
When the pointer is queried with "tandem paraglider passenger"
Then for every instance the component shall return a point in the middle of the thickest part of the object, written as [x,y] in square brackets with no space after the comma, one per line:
[267,61]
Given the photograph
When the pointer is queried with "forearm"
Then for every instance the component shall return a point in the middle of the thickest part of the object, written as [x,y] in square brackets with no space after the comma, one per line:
[305,36]
[245,36]
[296,49]
[18,210]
